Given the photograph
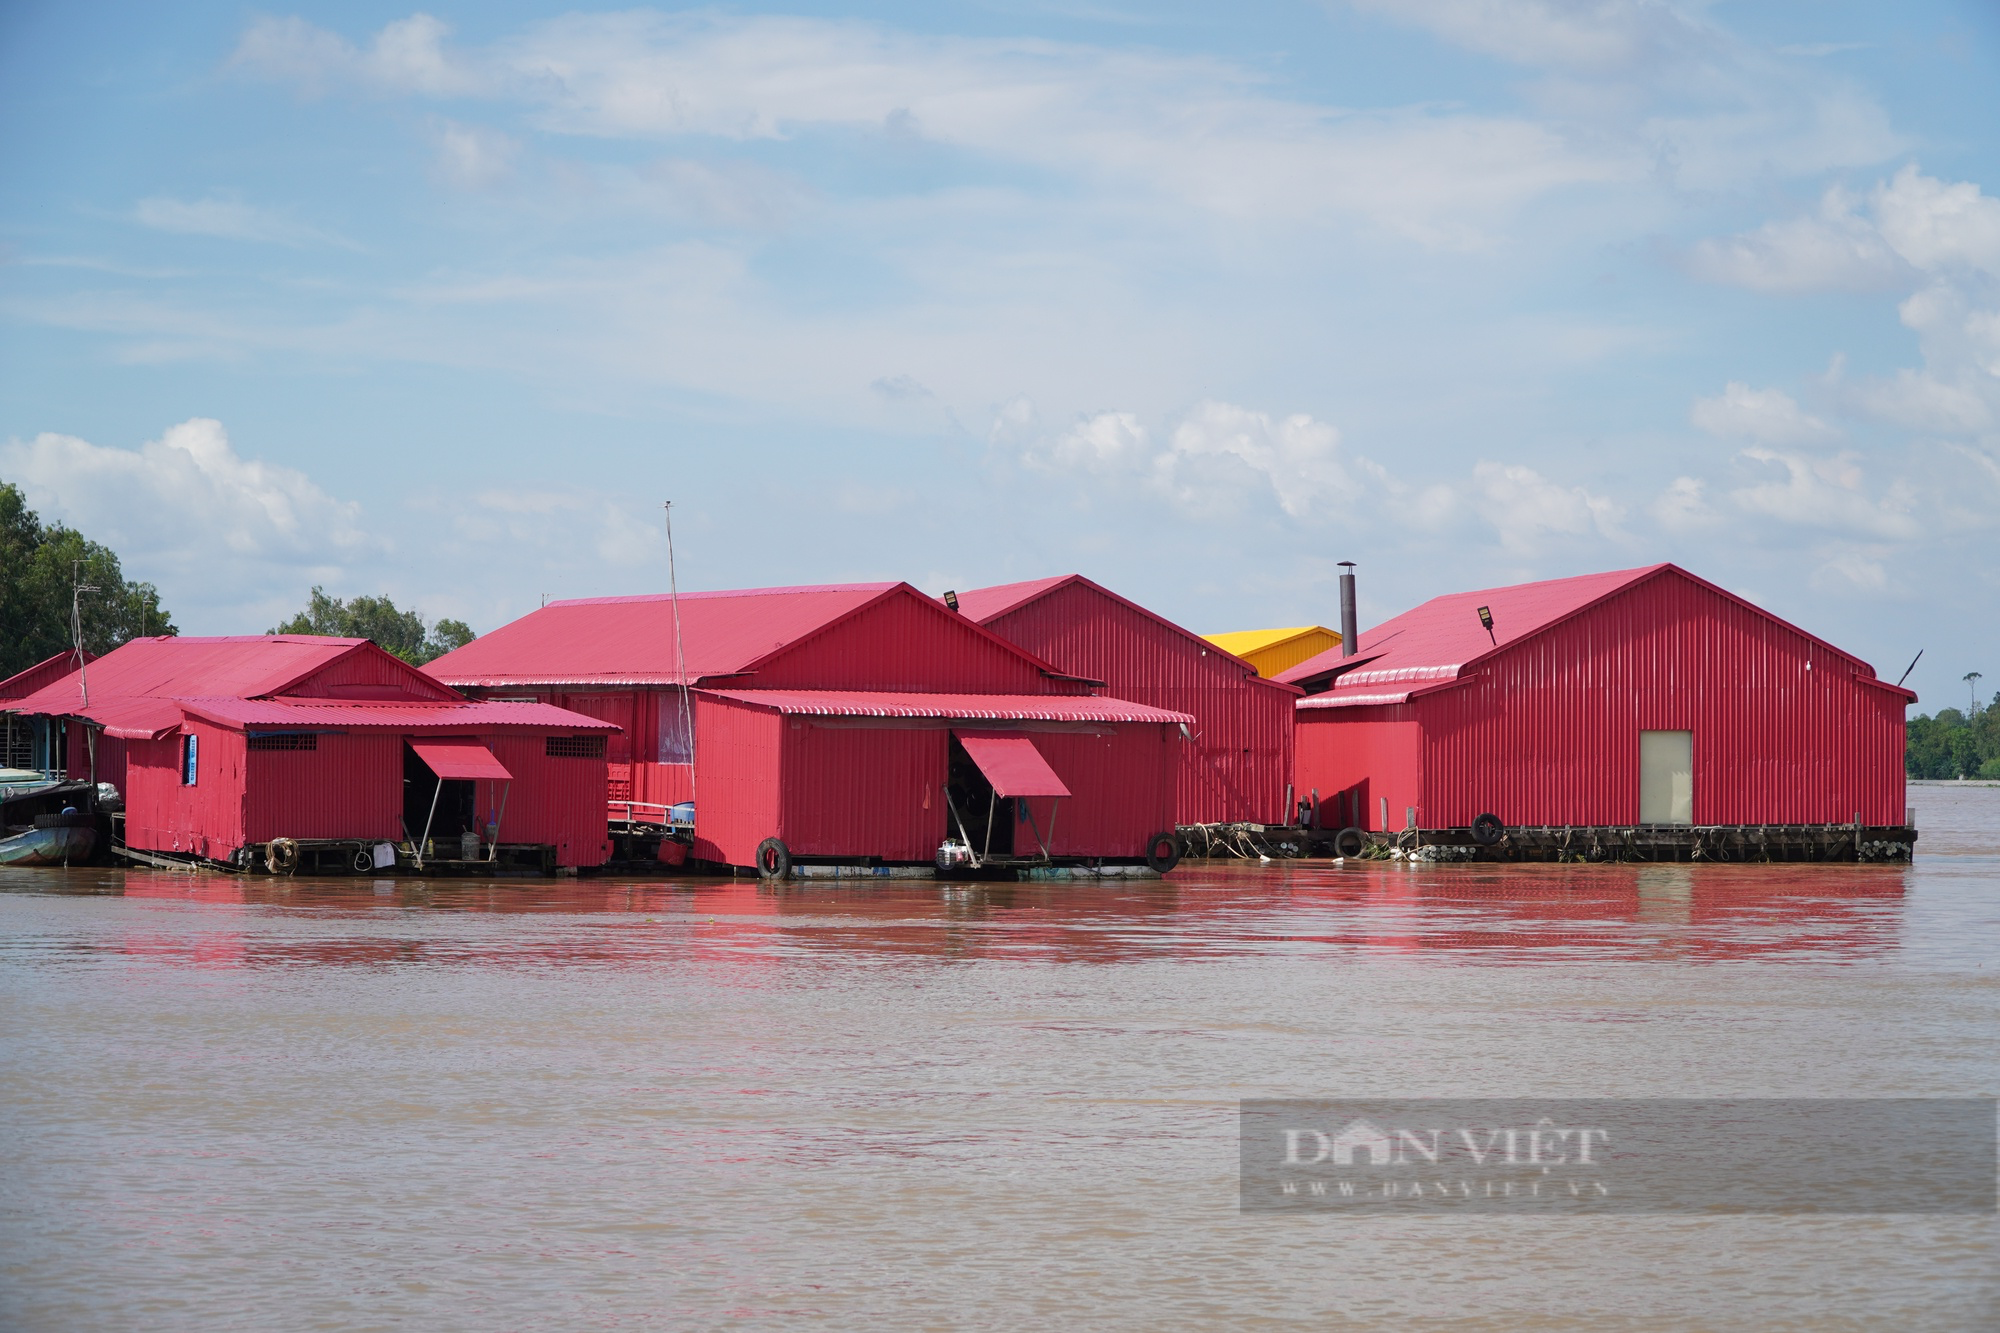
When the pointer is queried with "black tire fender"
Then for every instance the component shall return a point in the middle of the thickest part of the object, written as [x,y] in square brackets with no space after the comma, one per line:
[1347,837]
[1163,851]
[281,856]
[1487,829]
[774,859]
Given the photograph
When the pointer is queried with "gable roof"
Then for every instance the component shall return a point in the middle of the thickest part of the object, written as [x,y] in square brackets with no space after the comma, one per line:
[45,672]
[166,667]
[142,689]
[1438,643]
[613,641]
[1272,651]
[986,605]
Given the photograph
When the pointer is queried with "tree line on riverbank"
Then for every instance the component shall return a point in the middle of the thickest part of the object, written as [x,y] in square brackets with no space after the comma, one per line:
[1955,745]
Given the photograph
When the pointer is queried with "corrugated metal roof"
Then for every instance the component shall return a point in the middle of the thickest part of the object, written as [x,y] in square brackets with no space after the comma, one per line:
[1243,642]
[165,667]
[985,605]
[46,672]
[630,640]
[1273,651]
[1012,764]
[986,707]
[1434,644]
[465,716]
[1434,641]
[463,758]
[136,719]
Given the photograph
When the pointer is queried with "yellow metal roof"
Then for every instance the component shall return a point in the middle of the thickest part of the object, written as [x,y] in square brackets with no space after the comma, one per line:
[1273,650]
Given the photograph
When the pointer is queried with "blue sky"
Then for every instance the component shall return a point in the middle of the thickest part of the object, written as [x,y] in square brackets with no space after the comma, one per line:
[1195,299]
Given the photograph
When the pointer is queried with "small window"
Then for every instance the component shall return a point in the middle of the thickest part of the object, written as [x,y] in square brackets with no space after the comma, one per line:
[676,745]
[575,747]
[190,757]
[285,740]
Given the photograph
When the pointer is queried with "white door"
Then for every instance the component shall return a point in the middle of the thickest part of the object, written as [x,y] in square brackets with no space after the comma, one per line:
[1666,777]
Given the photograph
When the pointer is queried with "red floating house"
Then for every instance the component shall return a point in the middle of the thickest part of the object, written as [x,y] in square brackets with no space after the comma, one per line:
[1238,761]
[851,724]
[293,751]
[30,744]
[1638,697]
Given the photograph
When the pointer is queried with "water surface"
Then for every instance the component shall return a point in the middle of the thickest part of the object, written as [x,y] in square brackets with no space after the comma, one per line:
[248,1103]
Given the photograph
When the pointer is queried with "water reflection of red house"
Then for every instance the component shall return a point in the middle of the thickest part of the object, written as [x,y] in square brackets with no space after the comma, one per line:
[1513,914]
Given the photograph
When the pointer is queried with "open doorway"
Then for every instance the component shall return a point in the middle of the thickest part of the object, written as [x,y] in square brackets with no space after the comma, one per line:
[455,810]
[988,820]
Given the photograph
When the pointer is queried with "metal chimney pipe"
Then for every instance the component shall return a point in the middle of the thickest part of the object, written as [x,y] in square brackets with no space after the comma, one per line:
[1350,631]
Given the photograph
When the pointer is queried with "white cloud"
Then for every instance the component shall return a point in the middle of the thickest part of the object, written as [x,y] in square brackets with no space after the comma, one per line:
[187,511]
[1935,225]
[1105,443]
[1918,400]
[1914,221]
[1847,566]
[1834,250]
[230,218]
[1767,415]
[408,55]
[1829,492]
[1683,507]
[1595,35]
[1222,449]
[1192,130]
[1526,508]
[473,157]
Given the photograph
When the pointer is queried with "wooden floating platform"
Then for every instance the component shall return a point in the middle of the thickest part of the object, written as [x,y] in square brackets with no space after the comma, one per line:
[1629,842]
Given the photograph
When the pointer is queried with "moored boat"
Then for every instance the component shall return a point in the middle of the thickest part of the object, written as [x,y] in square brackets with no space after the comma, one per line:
[54,840]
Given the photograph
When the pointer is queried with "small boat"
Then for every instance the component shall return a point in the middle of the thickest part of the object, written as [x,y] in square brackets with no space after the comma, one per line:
[54,840]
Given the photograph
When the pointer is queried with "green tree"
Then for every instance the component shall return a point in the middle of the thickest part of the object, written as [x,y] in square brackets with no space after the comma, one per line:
[1953,745]
[403,633]
[40,564]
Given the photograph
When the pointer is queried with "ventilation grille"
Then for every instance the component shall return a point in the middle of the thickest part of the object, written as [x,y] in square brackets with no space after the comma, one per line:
[286,740]
[575,747]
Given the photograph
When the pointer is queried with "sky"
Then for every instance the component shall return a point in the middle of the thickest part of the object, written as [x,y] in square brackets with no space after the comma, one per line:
[1197,300]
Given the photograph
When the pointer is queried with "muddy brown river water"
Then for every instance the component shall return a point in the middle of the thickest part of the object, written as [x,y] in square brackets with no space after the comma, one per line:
[256,1104]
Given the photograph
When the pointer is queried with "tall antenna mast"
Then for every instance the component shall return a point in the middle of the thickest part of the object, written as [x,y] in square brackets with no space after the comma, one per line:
[680,652]
[77,588]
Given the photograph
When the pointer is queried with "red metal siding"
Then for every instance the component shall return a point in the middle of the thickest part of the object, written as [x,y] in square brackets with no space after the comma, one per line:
[558,800]
[624,710]
[1123,787]
[1237,767]
[363,674]
[207,819]
[100,760]
[1357,757]
[855,791]
[349,786]
[738,752]
[1548,731]
[905,642]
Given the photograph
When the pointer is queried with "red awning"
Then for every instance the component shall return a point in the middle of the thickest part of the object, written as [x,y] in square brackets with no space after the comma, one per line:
[1012,764]
[460,758]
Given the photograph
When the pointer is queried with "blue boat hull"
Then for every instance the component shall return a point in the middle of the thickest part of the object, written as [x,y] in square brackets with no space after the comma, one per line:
[49,846]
